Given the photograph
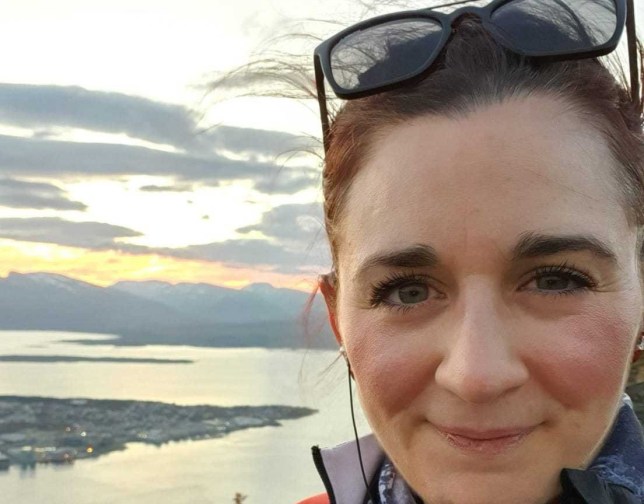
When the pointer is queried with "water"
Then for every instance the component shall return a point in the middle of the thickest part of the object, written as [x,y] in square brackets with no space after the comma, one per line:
[269,464]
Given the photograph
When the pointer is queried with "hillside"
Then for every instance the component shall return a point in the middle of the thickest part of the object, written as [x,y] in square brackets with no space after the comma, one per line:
[141,313]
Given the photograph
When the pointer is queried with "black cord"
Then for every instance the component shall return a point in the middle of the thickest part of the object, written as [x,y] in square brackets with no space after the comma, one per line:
[355,431]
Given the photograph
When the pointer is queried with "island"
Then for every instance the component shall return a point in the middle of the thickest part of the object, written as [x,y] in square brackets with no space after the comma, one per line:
[50,430]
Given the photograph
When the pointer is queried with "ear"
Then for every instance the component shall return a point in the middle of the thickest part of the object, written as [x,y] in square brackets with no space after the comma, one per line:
[327,284]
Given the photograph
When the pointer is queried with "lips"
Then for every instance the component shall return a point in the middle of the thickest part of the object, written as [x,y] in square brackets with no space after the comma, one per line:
[489,442]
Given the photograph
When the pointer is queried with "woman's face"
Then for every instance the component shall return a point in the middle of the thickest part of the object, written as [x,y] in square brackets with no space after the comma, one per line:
[489,299]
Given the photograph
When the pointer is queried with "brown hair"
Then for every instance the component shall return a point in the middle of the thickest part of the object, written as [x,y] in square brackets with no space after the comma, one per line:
[475,70]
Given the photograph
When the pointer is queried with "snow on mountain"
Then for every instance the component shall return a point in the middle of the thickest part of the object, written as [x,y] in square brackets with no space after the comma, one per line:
[51,301]
[158,312]
[254,303]
[51,280]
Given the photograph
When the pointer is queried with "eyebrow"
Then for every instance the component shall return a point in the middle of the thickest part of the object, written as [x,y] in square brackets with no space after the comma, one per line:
[530,245]
[415,256]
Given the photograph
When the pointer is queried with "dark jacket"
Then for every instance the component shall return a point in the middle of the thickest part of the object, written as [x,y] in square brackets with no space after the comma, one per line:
[616,476]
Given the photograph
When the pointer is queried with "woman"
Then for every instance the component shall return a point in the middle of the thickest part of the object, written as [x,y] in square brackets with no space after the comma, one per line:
[484,202]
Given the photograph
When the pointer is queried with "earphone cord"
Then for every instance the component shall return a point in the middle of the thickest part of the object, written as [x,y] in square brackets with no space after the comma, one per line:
[355,431]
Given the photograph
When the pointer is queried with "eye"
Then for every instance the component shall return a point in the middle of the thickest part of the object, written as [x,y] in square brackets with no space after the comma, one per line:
[401,292]
[560,280]
[410,294]
[553,282]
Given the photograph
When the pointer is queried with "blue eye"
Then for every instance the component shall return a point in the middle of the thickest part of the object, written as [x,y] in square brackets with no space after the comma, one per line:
[553,282]
[561,280]
[412,293]
[401,292]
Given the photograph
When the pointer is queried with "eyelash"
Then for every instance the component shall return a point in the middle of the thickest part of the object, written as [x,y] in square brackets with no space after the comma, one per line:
[569,272]
[381,290]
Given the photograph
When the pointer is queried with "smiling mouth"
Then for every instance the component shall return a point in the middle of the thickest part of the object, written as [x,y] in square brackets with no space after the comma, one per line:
[485,442]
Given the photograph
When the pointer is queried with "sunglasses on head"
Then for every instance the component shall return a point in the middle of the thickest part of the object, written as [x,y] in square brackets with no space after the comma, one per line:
[389,51]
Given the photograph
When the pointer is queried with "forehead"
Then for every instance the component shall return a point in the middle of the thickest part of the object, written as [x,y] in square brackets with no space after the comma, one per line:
[527,164]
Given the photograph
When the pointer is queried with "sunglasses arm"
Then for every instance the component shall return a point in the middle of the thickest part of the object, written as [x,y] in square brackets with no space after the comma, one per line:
[633,55]
[324,114]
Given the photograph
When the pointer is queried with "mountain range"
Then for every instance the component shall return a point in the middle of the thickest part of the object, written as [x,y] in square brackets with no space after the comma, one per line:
[152,312]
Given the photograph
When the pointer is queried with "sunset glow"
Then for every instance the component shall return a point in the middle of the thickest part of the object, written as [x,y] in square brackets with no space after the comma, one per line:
[105,268]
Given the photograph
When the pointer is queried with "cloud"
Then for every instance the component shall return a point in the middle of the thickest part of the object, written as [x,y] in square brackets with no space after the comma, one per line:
[243,253]
[36,157]
[251,141]
[35,195]
[299,229]
[287,181]
[167,188]
[47,108]
[39,106]
[290,222]
[276,256]
[207,157]
[91,235]
[202,155]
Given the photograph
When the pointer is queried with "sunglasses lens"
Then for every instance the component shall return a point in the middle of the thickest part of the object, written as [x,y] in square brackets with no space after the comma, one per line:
[542,27]
[384,53]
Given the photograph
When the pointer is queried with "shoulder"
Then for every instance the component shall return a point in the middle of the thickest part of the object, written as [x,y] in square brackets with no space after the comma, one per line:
[316,499]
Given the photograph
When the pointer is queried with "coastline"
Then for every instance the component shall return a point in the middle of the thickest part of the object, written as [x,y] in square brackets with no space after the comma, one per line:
[50,430]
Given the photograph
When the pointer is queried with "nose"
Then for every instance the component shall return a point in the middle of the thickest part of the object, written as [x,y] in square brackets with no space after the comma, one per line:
[483,360]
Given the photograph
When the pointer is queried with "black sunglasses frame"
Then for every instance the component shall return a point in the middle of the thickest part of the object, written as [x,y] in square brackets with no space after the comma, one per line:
[625,16]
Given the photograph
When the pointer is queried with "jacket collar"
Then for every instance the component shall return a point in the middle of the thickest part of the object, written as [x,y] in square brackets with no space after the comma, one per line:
[619,465]
[621,460]
[339,468]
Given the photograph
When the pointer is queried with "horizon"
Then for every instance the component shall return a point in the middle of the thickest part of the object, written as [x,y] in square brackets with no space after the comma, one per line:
[164,282]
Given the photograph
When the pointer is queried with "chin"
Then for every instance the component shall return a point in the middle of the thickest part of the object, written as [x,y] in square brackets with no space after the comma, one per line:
[520,476]
[496,489]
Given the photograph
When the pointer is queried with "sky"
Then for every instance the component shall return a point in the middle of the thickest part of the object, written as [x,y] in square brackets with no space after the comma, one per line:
[117,163]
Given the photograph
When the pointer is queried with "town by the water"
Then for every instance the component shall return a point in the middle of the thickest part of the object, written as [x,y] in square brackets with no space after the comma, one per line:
[49,430]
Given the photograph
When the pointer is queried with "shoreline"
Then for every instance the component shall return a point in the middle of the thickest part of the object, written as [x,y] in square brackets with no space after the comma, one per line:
[51,430]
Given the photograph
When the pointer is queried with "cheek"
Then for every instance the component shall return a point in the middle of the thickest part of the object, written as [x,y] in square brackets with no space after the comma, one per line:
[576,361]
[390,371]
[583,358]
